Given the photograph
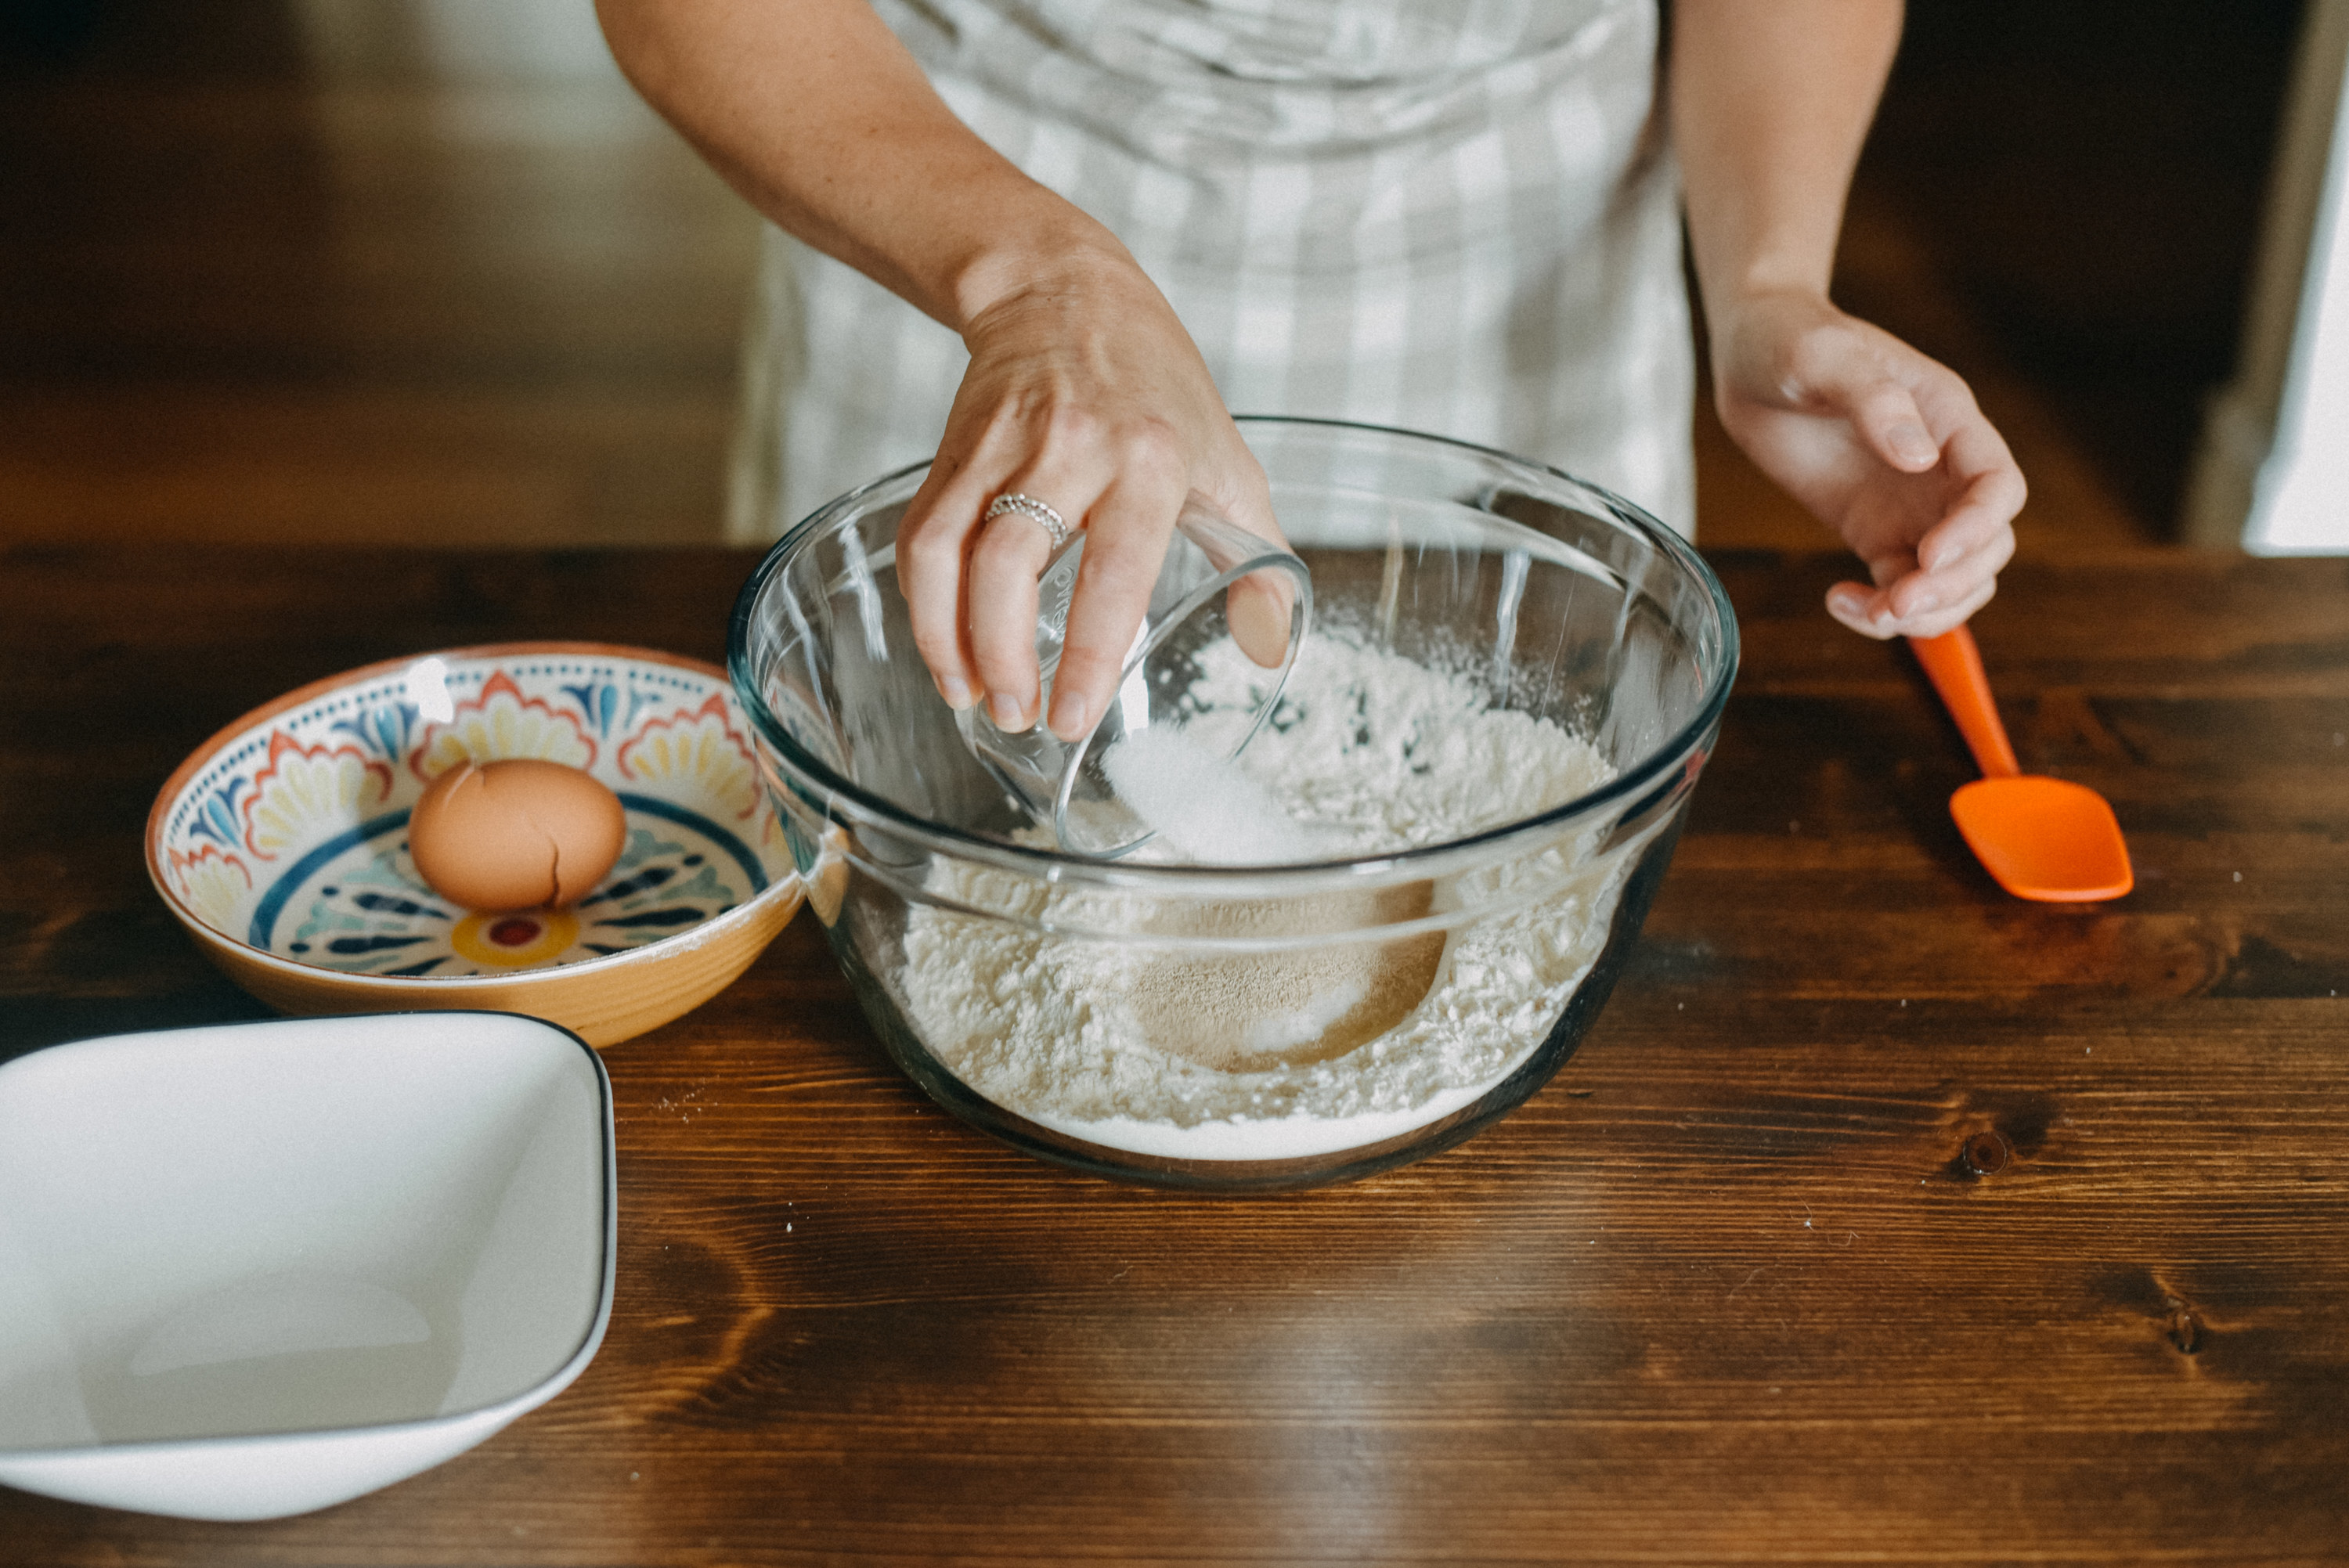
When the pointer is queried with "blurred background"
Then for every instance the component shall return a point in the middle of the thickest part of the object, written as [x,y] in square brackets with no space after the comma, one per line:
[427,270]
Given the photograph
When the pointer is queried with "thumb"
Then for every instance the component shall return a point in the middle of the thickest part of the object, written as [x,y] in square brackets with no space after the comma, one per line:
[1888,420]
[1849,373]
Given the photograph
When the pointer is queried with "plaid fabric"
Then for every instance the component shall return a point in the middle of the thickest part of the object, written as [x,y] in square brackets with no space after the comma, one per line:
[1457,217]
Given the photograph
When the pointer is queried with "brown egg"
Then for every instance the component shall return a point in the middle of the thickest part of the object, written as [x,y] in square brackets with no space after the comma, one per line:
[515,835]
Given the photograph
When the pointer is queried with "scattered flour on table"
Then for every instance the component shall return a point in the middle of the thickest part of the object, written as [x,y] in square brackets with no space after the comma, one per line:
[1308,1048]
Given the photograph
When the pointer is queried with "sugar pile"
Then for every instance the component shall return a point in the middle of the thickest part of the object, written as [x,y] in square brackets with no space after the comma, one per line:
[1204,808]
[1305,1046]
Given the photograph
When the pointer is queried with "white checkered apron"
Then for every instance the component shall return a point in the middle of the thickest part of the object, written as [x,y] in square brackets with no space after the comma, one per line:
[1457,216]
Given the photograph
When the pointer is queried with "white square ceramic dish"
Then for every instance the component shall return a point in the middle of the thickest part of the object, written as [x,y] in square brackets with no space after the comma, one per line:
[253,1270]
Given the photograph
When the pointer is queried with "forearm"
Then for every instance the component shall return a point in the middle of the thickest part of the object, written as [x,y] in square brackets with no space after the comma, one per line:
[819,117]
[1771,100]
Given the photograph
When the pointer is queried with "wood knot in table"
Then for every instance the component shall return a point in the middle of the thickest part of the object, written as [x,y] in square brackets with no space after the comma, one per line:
[2185,1329]
[1997,1131]
[1984,1154]
[2185,1326]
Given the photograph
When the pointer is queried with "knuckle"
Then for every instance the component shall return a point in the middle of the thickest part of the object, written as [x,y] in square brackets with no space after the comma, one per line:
[1120,574]
[1071,425]
[1001,614]
[1889,401]
[1009,422]
[927,545]
[1152,448]
[1806,360]
[1086,667]
[993,663]
[1006,546]
[1003,666]
[938,646]
[996,661]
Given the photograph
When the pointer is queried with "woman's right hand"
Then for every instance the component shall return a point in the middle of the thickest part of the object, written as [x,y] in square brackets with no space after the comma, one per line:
[1085,392]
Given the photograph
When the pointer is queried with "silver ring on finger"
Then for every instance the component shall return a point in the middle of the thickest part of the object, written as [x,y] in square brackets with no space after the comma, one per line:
[1055,527]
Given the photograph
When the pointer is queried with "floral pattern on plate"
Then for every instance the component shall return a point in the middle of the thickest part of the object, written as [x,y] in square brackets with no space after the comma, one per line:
[292,837]
[502,724]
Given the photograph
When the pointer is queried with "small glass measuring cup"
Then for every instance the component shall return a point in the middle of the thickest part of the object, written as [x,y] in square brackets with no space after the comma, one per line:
[1063,783]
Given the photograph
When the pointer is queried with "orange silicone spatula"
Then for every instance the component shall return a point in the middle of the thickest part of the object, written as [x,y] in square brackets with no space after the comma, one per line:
[2044,839]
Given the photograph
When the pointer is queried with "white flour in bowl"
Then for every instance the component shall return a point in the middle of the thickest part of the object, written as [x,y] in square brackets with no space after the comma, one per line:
[1317,1046]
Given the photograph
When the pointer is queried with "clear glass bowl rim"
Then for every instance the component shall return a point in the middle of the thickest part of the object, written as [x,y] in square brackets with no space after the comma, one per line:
[1632,783]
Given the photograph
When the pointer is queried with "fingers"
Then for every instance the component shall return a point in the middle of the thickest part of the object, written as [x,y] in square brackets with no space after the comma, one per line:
[1245,497]
[1068,473]
[1259,608]
[1885,445]
[1949,568]
[970,581]
[1913,604]
[930,548]
[1968,548]
[1870,612]
[1982,517]
[1125,541]
[1008,555]
[1971,543]
[1084,391]
[1953,569]
[1888,420]
[1875,386]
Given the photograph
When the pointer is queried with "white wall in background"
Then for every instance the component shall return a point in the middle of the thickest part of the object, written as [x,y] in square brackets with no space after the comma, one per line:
[2273,474]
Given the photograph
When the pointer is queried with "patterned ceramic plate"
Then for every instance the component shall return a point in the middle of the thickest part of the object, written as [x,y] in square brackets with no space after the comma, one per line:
[283,845]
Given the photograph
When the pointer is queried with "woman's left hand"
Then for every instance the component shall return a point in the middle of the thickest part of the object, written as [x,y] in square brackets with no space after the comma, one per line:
[1882,444]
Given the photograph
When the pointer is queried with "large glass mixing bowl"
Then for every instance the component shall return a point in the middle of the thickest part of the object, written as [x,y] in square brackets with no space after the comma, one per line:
[1250,1027]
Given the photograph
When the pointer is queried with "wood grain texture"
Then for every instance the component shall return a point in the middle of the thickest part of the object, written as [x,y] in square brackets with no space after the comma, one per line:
[1729,1291]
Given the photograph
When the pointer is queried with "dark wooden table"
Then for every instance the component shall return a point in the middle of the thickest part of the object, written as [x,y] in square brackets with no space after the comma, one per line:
[1727,1291]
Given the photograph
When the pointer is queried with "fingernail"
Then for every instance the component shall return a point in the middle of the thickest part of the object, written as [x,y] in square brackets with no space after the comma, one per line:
[1912,445]
[1067,719]
[1007,715]
[1924,604]
[956,691]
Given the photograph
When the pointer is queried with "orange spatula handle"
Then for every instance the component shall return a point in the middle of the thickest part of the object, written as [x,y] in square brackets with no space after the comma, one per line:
[1956,668]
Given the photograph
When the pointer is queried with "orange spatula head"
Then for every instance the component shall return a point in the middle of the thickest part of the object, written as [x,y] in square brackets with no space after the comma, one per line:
[2044,839]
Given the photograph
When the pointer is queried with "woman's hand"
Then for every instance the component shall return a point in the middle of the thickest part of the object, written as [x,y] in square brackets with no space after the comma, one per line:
[1083,390]
[1769,106]
[1882,444]
[1085,393]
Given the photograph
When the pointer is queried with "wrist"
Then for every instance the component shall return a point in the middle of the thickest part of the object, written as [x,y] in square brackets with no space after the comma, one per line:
[1760,314]
[1748,249]
[1053,247]
[1766,287]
